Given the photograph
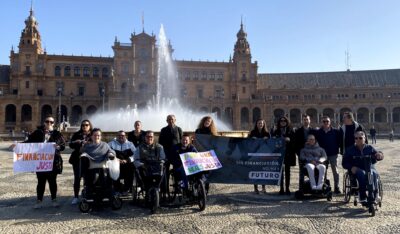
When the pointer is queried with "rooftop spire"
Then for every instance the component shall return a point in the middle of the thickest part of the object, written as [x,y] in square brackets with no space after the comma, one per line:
[143,21]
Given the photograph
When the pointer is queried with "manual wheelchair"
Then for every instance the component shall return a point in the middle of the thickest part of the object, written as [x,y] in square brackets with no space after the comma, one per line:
[374,187]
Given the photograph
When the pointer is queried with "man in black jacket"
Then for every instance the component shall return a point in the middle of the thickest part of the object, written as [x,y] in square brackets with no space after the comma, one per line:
[330,140]
[170,135]
[348,129]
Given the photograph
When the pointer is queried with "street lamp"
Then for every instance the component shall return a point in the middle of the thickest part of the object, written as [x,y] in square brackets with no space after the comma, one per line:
[71,96]
[390,113]
[103,92]
[59,105]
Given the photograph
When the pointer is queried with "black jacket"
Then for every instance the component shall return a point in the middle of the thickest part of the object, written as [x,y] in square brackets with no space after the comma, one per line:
[38,136]
[290,154]
[170,137]
[300,138]
[136,140]
[74,158]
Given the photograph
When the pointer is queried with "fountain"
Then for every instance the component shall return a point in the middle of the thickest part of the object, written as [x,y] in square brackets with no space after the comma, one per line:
[166,101]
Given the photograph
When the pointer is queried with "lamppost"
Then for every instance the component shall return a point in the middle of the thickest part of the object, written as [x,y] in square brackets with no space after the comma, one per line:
[59,106]
[71,96]
[390,113]
[103,92]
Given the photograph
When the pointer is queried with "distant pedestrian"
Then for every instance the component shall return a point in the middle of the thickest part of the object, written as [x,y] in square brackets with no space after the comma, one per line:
[391,135]
[372,132]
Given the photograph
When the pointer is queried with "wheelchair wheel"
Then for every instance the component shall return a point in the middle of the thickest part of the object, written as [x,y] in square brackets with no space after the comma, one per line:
[84,206]
[201,194]
[329,196]
[380,192]
[116,203]
[135,194]
[173,187]
[371,210]
[154,197]
[347,187]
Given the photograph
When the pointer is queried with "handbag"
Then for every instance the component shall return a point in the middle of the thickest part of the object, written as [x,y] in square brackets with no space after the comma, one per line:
[58,164]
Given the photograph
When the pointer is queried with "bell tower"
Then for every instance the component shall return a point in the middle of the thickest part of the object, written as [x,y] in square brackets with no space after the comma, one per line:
[30,40]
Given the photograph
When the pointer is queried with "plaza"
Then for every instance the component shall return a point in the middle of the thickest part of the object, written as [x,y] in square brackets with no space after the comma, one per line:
[230,208]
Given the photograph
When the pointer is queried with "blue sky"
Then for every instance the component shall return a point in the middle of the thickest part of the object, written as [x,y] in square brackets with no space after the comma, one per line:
[285,36]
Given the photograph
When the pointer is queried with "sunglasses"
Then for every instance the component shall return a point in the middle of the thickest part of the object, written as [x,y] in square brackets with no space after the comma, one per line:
[49,121]
[85,125]
[358,138]
[325,121]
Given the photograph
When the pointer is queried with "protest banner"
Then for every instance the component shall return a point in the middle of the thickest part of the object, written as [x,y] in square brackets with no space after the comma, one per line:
[194,162]
[245,160]
[33,157]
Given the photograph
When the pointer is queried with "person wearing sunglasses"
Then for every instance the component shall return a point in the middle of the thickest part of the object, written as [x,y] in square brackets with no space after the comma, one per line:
[329,139]
[285,130]
[47,133]
[354,162]
[124,150]
[78,139]
[348,129]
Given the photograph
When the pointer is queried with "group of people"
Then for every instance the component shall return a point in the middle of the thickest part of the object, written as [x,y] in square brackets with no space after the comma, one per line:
[314,146]
[133,148]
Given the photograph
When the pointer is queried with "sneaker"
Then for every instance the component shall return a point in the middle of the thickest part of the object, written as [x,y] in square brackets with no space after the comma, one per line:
[314,187]
[319,187]
[124,194]
[75,201]
[54,203]
[281,192]
[337,190]
[38,205]
[256,191]
[264,191]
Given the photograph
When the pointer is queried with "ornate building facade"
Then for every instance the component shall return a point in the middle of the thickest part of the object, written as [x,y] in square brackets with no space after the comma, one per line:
[75,87]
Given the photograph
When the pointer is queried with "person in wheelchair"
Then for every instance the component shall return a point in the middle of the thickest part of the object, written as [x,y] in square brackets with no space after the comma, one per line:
[124,150]
[146,154]
[313,157]
[95,154]
[184,147]
[354,162]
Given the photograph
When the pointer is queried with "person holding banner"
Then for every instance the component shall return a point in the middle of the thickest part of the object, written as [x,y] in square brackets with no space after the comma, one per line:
[207,126]
[285,130]
[181,148]
[260,131]
[78,139]
[46,133]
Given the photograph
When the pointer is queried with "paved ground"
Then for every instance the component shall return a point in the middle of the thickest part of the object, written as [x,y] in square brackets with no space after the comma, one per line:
[231,209]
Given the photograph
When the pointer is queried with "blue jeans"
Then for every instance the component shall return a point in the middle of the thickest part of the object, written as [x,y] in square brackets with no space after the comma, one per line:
[362,179]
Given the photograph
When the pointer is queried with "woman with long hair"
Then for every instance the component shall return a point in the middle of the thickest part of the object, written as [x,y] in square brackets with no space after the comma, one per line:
[207,126]
[78,139]
[285,130]
[259,131]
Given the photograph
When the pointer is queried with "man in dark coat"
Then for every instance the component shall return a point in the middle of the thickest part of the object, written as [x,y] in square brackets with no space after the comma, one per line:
[348,129]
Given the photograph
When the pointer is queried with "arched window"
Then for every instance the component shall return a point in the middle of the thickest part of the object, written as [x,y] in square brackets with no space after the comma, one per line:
[86,72]
[26,113]
[77,71]
[95,72]
[57,71]
[11,113]
[104,72]
[67,71]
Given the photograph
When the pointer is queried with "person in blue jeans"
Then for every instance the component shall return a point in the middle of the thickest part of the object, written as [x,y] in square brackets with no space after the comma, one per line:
[357,166]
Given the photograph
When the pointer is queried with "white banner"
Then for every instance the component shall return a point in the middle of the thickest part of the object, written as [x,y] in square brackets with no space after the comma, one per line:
[201,161]
[33,157]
